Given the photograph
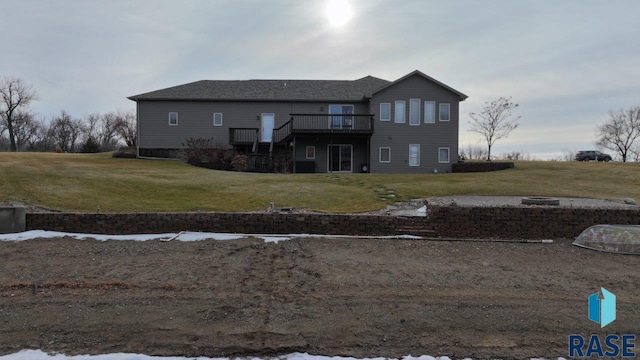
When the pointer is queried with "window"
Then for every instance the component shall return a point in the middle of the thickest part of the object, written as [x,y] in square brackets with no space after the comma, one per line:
[429,112]
[173,118]
[385,111]
[341,122]
[443,155]
[385,155]
[311,152]
[414,155]
[400,116]
[217,119]
[414,112]
[445,110]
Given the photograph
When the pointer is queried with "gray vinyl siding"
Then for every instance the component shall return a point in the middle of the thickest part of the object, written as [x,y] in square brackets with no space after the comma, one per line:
[321,144]
[398,136]
[195,119]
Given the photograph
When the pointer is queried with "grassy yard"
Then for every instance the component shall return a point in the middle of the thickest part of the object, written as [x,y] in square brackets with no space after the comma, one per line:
[82,182]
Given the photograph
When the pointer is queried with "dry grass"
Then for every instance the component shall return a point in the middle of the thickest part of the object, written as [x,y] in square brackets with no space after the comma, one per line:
[81,182]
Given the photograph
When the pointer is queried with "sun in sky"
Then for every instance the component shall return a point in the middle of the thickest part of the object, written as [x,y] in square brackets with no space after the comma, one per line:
[339,12]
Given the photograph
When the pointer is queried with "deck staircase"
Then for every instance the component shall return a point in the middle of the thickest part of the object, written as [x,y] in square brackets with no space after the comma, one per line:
[261,158]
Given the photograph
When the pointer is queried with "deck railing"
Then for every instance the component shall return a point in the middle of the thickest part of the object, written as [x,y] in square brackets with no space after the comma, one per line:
[324,124]
[282,132]
[307,124]
[243,136]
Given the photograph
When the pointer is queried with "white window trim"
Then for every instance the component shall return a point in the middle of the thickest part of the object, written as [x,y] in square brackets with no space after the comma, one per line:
[214,119]
[448,155]
[380,154]
[433,115]
[170,124]
[411,112]
[385,119]
[418,164]
[313,148]
[440,112]
[404,112]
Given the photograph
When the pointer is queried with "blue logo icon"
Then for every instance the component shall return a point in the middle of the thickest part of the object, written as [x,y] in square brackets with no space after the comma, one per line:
[602,307]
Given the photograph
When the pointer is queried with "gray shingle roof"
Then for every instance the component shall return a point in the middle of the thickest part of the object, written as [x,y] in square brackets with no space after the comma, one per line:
[461,96]
[270,90]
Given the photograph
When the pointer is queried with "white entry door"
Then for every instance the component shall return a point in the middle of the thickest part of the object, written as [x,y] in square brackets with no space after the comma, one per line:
[266,129]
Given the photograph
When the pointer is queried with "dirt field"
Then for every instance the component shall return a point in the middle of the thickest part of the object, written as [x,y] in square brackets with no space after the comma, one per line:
[323,296]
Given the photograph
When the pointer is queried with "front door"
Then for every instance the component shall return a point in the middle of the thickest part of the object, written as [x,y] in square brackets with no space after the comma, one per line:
[340,158]
[266,128]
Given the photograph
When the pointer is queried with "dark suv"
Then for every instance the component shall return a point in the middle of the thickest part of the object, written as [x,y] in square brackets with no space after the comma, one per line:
[592,155]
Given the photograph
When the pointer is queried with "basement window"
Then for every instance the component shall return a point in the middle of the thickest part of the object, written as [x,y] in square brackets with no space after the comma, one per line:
[311,152]
[443,155]
[385,155]
[414,155]
[173,118]
[217,119]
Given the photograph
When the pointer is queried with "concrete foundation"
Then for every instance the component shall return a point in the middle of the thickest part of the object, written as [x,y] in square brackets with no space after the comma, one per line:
[12,219]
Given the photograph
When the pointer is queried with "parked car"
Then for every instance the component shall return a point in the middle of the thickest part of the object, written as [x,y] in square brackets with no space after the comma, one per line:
[588,155]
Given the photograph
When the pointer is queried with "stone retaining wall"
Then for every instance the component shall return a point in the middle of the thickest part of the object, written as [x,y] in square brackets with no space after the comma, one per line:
[250,223]
[453,222]
[525,222]
[12,219]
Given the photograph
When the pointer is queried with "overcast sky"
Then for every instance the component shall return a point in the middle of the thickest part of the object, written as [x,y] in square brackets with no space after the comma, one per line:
[567,63]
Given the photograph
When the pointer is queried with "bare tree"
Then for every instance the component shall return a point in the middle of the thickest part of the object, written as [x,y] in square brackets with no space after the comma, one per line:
[495,121]
[102,129]
[473,152]
[620,132]
[15,95]
[92,122]
[568,154]
[23,128]
[4,142]
[126,127]
[38,138]
[108,134]
[514,156]
[3,127]
[66,131]
[634,153]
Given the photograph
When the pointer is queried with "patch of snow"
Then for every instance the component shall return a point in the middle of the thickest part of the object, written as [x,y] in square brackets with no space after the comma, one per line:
[423,209]
[181,236]
[40,355]
[42,234]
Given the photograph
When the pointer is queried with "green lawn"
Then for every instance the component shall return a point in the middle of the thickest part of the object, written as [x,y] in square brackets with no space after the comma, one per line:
[82,182]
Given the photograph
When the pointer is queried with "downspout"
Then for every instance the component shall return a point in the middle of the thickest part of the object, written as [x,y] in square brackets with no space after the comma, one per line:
[368,154]
[371,126]
[329,154]
[138,138]
[137,129]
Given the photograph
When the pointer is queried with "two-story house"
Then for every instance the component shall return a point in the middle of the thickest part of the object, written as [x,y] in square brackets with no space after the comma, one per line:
[409,125]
